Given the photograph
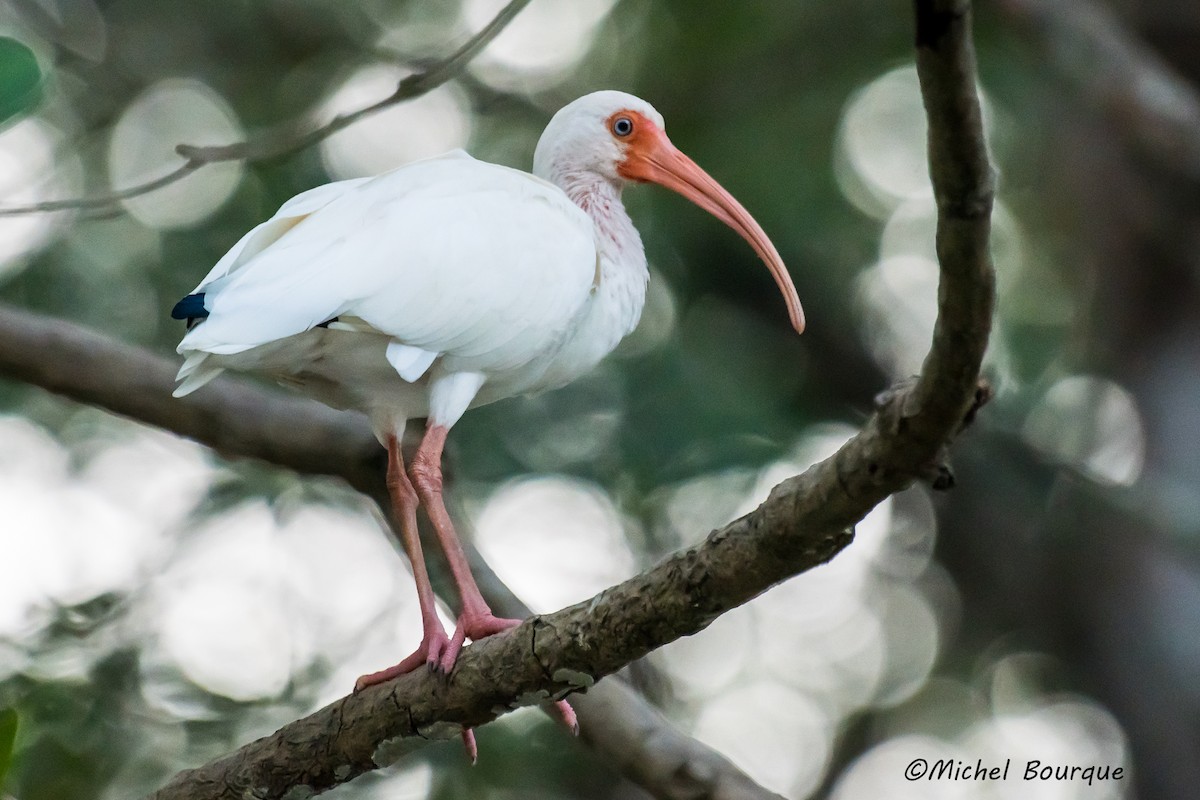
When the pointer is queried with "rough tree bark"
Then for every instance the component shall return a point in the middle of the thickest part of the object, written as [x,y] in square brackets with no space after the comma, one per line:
[806,520]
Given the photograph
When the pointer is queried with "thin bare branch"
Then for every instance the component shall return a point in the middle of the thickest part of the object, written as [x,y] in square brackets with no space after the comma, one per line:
[806,520]
[106,200]
[292,136]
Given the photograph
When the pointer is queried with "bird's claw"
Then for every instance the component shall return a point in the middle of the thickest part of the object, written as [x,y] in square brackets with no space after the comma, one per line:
[444,663]
[434,649]
[441,652]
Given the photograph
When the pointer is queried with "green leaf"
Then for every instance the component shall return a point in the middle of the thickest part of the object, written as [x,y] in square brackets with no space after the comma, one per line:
[20,79]
[8,737]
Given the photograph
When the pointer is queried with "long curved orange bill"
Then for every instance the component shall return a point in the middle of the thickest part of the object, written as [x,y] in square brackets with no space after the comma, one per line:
[651,157]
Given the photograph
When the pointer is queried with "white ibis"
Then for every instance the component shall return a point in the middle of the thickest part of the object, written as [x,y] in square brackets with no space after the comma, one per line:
[447,284]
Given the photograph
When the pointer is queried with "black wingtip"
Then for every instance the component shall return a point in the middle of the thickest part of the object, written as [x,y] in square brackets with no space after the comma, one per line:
[190,308]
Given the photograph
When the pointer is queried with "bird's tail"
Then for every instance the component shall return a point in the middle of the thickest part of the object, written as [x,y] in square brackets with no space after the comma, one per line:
[195,372]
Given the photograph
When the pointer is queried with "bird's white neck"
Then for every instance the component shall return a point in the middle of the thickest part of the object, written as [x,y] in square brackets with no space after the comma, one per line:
[621,269]
[619,293]
[600,199]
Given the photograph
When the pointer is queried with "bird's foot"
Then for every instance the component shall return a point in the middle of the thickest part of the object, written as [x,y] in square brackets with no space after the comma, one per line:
[473,627]
[433,649]
[480,626]
[440,652]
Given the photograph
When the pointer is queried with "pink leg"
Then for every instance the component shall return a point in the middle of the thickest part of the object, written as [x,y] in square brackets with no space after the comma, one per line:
[434,642]
[476,620]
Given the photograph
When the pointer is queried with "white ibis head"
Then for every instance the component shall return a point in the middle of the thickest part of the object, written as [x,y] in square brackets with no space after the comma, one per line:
[622,138]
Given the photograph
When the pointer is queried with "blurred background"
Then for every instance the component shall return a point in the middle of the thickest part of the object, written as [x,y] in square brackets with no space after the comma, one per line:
[160,606]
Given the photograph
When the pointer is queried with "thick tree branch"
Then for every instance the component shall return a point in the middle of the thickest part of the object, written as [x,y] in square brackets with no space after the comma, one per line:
[292,136]
[238,420]
[806,520]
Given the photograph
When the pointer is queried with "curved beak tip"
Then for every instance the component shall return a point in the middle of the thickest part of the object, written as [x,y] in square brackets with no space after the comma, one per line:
[659,161]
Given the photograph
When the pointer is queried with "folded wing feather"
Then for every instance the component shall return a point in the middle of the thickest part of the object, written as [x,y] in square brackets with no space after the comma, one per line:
[448,255]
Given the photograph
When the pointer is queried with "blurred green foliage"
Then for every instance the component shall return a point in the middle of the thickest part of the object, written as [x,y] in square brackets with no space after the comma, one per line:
[20,79]
[8,740]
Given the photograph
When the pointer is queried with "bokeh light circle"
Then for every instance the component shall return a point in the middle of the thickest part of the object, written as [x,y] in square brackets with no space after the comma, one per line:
[142,148]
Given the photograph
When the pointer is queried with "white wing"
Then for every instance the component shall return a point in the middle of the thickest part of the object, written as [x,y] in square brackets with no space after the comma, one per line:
[286,218]
[447,256]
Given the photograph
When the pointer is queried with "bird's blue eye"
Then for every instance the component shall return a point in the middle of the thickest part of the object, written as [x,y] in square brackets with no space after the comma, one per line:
[622,126]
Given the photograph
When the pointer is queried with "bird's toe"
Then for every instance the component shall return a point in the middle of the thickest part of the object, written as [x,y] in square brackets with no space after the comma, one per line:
[468,739]
[410,663]
[566,715]
[443,661]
